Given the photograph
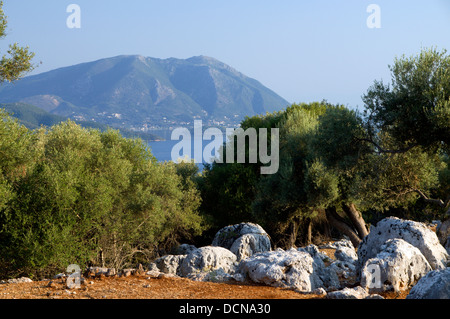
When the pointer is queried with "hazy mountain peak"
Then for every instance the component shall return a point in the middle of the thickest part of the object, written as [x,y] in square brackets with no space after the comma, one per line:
[141,92]
[202,59]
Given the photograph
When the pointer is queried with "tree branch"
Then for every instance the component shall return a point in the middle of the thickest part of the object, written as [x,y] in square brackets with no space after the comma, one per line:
[382,150]
[438,202]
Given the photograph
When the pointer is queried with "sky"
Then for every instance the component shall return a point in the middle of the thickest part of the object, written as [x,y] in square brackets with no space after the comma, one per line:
[303,50]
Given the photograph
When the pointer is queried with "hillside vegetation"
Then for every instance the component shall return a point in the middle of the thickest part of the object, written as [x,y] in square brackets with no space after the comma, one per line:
[142,92]
[34,117]
[74,195]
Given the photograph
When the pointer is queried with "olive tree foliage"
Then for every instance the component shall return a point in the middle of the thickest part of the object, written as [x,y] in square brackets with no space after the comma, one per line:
[339,163]
[228,189]
[17,153]
[353,176]
[415,107]
[12,67]
[414,112]
[18,60]
[281,200]
[327,167]
[333,173]
[89,197]
[319,155]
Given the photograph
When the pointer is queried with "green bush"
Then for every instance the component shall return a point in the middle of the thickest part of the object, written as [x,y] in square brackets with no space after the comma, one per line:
[87,197]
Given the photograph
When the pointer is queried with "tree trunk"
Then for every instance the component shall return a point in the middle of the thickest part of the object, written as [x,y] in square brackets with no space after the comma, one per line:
[295,223]
[308,231]
[339,223]
[356,218]
[102,258]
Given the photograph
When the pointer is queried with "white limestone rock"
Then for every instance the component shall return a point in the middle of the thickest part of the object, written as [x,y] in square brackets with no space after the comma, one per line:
[415,233]
[398,266]
[434,285]
[206,259]
[288,269]
[250,244]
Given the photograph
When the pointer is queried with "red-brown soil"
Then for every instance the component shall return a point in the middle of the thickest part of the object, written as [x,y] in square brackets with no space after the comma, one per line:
[145,287]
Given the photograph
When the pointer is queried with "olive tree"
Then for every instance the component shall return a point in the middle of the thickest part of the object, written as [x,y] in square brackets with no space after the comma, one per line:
[414,111]
[17,61]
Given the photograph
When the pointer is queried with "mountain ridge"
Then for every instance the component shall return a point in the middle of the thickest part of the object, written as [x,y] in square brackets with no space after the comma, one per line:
[143,92]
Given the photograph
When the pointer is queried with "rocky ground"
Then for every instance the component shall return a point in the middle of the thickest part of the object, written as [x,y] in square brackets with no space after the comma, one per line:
[162,287]
[142,287]
[398,259]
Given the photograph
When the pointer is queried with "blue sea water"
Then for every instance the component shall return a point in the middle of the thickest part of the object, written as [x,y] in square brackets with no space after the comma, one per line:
[162,150]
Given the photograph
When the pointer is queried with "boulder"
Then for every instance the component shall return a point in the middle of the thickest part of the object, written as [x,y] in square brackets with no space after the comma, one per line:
[183,249]
[443,233]
[250,244]
[169,264]
[339,244]
[397,266]
[349,293]
[415,233]
[206,259]
[339,272]
[228,235]
[153,270]
[329,276]
[288,269]
[217,275]
[314,251]
[434,285]
[346,254]
[357,292]
[344,271]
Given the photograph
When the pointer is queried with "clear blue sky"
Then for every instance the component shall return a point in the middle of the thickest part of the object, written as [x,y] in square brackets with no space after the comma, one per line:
[303,50]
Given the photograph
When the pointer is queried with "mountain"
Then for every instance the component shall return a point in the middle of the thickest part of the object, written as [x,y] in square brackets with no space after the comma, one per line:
[143,92]
[33,117]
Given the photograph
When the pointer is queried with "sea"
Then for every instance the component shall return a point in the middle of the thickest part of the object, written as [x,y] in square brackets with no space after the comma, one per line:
[162,150]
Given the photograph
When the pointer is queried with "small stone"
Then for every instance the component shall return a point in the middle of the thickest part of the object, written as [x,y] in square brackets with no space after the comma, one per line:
[19,280]
[59,276]
[127,272]
[319,291]
[349,293]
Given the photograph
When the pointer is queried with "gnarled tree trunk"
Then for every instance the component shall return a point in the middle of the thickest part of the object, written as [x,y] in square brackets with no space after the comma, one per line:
[357,220]
[356,231]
